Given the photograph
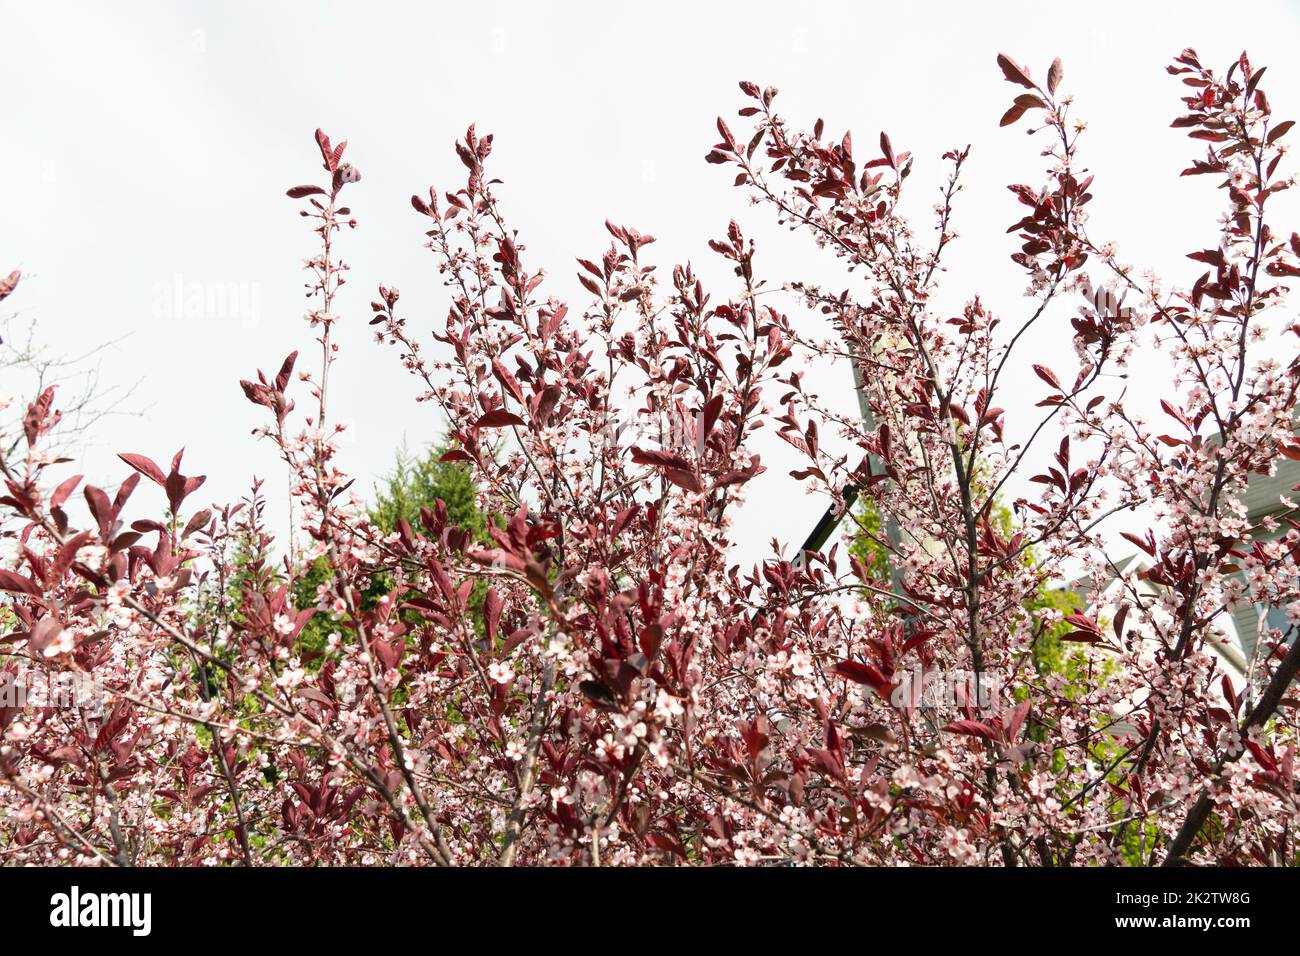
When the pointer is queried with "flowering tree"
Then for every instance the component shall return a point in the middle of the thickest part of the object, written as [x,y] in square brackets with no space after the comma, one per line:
[628,694]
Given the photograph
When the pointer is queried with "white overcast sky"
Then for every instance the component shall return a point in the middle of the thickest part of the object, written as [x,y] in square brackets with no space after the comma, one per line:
[150,144]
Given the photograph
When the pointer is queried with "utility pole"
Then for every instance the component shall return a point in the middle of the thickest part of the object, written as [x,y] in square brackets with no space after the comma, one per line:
[830,520]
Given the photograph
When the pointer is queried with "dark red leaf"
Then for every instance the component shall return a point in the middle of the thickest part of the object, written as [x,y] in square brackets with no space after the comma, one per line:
[1013,72]
[498,418]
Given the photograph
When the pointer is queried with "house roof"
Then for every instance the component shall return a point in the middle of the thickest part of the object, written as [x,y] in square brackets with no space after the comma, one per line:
[1262,498]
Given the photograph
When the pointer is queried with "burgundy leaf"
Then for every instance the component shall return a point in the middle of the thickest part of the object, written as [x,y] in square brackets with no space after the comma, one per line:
[498,418]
